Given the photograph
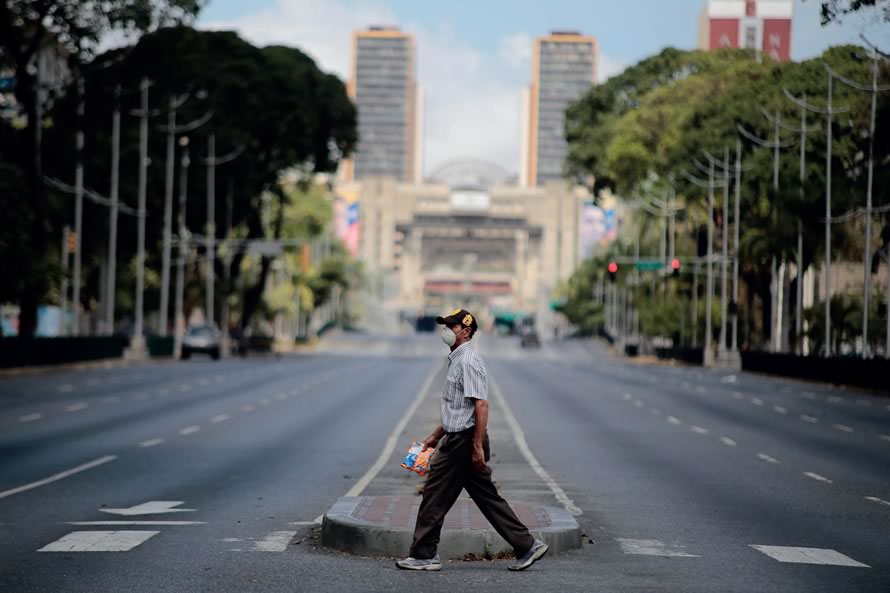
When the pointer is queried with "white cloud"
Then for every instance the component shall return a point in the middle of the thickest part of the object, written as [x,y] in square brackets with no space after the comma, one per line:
[472,97]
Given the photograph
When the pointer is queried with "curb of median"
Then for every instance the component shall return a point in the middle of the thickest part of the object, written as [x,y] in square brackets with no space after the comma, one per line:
[343,531]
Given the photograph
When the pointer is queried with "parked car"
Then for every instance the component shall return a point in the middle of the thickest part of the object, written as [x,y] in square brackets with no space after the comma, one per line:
[201,339]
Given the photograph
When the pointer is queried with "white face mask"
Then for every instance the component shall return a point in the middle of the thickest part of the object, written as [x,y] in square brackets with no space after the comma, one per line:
[448,336]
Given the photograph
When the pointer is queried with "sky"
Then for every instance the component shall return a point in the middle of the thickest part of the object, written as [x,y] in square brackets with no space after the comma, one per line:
[474,56]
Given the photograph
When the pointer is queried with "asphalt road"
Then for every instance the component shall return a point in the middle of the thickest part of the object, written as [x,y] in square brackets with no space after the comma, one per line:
[207,476]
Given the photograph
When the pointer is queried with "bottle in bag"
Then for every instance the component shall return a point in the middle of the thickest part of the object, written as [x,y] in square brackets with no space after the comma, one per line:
[411,457]
[422,464]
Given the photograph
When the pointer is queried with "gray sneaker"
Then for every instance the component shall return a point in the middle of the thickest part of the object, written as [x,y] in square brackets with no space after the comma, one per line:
[536,553]
[415,564]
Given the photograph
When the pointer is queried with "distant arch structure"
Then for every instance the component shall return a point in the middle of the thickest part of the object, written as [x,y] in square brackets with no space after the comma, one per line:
[476,173]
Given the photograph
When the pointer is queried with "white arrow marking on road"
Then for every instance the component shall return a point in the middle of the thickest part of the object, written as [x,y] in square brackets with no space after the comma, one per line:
[154,507]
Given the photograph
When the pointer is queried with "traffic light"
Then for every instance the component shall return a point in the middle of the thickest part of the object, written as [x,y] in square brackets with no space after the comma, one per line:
[675,266]
[613,271]
[72,242]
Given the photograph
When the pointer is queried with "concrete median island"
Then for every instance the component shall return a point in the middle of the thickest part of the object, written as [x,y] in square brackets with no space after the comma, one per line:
[384,526]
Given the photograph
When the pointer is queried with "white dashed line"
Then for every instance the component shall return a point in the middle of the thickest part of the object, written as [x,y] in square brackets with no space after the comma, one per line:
[190,429]
[698,430]
[66,388]
[843,428]
[184,388]
[780,409]
[265,402]
[884,437]
[767,458]
[59,476]
[281,396]
[877,500]
[810,419]
[30,417]
[756,401]
[738,395]
[652,547]
[247,408]
[639,404]
[151,443]
[626,397]
[656,411]
[112,399]
[673,420]
[77,407]
[817,477]
[219,418]
[728,442]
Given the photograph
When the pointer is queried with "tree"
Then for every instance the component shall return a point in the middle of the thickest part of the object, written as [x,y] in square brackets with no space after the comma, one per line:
[74,28]
[836,10]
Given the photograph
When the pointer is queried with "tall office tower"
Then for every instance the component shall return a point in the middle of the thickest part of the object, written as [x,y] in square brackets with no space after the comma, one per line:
[384,89]
[762,25]
[563,70]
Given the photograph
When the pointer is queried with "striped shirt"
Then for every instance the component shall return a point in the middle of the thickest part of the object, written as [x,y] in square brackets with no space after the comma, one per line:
[465,382]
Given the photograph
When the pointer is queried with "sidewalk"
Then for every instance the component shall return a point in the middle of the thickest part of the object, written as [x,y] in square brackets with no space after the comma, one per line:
[380,520]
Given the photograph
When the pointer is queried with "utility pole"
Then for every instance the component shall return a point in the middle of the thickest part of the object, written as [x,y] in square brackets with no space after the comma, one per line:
[171,130]
[212,162]
[112,225]
[829,111]
[183,248]
[63,289]
[735,260]
[78,204]
[137,345]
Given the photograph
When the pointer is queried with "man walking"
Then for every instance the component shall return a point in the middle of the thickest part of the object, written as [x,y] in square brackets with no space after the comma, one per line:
[461,460]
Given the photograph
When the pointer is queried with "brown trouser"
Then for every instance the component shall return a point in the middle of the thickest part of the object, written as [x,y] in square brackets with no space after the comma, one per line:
[451,470]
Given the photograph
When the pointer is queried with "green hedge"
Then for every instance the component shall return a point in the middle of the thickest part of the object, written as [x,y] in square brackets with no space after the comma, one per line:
[19,352]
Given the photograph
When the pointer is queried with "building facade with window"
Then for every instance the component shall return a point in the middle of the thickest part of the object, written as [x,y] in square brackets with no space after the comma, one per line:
[761,25]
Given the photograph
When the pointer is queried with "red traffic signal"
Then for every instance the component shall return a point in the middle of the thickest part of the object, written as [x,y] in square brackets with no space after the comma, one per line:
[613,268]
[675,264]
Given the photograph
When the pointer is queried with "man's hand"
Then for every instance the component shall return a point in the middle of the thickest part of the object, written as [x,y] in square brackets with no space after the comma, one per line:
[430,442]
[479,459]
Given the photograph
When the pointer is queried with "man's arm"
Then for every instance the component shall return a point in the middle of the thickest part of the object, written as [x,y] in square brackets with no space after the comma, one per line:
[479,434]
[433,440]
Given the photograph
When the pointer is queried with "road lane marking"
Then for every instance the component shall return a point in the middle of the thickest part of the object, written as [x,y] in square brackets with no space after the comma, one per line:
[277,541]
[219,418]
[151,443]
[639,404]
[700,390]
[698,430]
[390,444]
[184,388]
[767,458]
[780,409]
[152,507]
[59,476]
[884,437]
[626,397]
[31,417]
[247,408]
[817,477]
[863,402]
[728,441]
[656,411]
[99,541]
[834,399]
[190,430]
[112,399]
[530,458]
[265,402]
[131,523]
[77,407]
[163,392]
[652,547]
[756,401]
[843,428]
[877,500]
[738,395]
[806,394]
[281,396]
[204,382]
[808,556]
[66,388]
[673,420]
[810,419]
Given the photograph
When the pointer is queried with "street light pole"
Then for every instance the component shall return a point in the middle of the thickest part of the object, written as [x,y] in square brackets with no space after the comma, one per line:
[183,248]
[211,224]
[138,343]
[168,218]
[112,227]
[735,259]
[78,204]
